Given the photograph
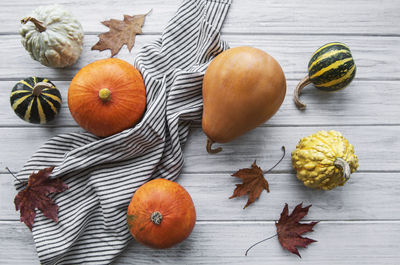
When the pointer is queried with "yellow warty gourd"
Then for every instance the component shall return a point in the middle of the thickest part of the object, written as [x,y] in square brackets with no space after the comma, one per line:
[324,160]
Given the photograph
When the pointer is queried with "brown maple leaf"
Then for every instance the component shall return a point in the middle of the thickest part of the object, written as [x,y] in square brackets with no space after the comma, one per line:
[34,196]
[122,32]
[289,229]
[254,181]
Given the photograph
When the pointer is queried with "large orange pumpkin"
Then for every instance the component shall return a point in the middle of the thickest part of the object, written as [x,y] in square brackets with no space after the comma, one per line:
[107,97]
[242,88]
[161,214]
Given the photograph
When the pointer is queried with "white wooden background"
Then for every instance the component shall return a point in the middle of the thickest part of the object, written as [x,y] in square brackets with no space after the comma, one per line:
[360,222]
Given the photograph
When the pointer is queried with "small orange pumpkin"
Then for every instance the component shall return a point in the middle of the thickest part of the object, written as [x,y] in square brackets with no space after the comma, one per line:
[107,97]
[161,214]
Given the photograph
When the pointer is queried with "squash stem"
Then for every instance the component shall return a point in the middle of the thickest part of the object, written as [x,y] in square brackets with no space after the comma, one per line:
[156,217]
[342,164]
[38,24]
[209,146]
[303,83]
[37,89]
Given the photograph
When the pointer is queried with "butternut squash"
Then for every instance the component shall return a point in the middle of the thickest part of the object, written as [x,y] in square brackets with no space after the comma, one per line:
[243,87]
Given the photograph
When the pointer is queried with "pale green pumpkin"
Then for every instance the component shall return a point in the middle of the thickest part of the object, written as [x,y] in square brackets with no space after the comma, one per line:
[52,36]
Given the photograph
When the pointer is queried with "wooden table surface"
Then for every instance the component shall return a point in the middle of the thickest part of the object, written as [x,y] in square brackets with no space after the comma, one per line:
[359,223]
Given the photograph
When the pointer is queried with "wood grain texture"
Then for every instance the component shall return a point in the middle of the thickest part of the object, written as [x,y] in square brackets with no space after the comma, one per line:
[360,199]
[345,107]
[361,222]
[377,148]
[17,244]
[373,56]
[245,16]
[225,243]
[338,243]
[262,144]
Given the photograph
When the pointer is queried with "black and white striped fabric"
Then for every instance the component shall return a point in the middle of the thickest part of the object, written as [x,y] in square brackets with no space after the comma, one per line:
[102,174]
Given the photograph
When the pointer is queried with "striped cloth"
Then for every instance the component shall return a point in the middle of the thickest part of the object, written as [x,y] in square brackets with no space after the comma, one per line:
[102,174]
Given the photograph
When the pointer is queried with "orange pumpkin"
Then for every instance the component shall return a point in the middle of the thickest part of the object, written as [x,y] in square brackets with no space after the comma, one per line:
[161,214]
[107,97]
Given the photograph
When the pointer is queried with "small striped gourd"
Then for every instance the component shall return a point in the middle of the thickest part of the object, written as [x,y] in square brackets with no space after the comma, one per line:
[35,100]
[331,68]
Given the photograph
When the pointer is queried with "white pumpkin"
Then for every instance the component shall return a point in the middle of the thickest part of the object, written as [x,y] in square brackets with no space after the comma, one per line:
[54,38]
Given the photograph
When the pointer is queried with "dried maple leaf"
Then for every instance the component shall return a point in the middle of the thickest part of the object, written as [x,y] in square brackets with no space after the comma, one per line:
[35,196]
[121,32]
[289,229]
[254,182]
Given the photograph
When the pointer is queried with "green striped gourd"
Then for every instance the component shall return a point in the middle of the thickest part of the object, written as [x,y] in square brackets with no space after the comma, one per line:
[330,68]
[35,100]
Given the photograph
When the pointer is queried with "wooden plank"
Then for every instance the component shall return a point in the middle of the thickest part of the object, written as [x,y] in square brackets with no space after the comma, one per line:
[16,142]
[345,107]
[245,16]
[363,198]
[17,247]
[366,196]
[24,66]
[7,208]
[373,56]
[225,243]
[376,146]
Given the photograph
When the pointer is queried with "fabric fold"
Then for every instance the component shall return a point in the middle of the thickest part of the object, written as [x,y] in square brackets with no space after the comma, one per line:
[103,173]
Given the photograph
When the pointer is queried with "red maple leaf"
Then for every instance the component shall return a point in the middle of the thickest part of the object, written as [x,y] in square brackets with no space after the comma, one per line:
[34,196]
[289,229]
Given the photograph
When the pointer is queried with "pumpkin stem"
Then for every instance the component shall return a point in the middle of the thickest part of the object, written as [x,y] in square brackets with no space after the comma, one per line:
[38,24]
[105,94]
[37,89]
[303,83]
[208,147]
[156,217]
[342,164]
